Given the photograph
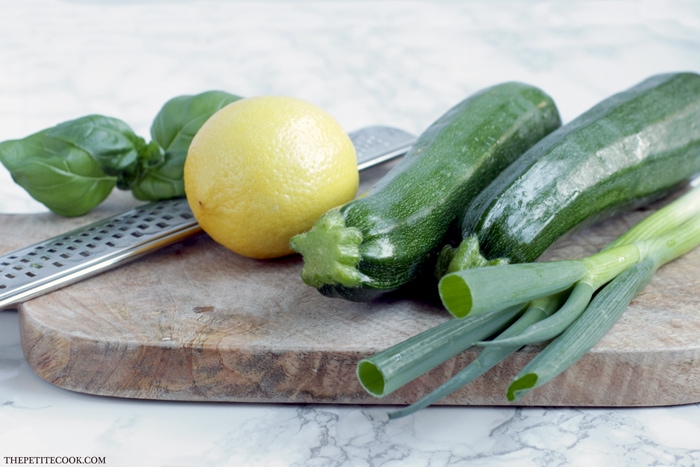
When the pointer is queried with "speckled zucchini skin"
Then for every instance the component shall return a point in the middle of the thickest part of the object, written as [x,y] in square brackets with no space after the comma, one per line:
[629,149]
[406,217]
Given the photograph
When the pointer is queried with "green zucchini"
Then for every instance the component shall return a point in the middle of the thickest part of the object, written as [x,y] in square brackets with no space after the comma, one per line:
[632,148]
[385,240]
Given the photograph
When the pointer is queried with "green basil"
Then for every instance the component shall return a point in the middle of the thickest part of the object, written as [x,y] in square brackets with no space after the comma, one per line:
[173,129]
[73,166]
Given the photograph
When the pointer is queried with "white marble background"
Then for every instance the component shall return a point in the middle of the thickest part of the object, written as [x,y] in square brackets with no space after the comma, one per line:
[397,63]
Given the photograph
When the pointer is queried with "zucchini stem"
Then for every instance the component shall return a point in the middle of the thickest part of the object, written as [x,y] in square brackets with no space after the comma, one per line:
[331,252]
[465,256]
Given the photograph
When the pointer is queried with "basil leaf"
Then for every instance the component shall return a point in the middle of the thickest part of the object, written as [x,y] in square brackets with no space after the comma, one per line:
[112,143]
[73,166]
[173,129]
[62,176]
[181,117]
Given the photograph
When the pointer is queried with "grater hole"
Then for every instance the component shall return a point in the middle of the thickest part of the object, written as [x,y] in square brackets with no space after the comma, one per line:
[64,255]
[58,264]
[10,276]
[30,274]
[84,253]
[162,225]
[137,234]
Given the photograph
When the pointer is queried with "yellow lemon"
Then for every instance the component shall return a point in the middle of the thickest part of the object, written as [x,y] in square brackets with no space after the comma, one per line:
[264,169]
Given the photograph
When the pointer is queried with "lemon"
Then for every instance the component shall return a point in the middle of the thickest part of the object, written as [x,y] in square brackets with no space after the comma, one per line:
[263,169]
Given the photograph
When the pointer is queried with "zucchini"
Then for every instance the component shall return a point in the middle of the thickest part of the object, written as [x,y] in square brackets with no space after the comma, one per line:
[632,148]
[385,240]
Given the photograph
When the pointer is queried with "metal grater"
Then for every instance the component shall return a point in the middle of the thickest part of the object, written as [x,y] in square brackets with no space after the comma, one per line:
[86,251]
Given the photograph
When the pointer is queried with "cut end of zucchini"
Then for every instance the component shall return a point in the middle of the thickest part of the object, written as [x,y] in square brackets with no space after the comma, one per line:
[331,252]
[456,295]
[371,378]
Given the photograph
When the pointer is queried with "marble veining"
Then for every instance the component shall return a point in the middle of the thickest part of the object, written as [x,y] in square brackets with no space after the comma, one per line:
[387,62]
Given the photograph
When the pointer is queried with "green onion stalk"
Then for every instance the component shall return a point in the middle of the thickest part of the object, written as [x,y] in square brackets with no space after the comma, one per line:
[604,310]
[546,300]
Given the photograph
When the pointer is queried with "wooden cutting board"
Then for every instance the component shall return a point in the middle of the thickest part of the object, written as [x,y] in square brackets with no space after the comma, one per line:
[195,322]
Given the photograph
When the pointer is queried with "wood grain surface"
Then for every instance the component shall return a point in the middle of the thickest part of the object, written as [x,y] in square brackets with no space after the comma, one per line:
[195,322]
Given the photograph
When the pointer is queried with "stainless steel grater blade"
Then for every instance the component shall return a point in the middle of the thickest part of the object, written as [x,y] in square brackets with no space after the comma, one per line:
[97,247]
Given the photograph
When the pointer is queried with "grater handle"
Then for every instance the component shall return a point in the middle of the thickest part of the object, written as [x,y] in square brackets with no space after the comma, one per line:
[70,257]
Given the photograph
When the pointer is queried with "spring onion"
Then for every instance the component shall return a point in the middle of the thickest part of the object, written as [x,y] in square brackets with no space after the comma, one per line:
[481,289]
[604,311]
[584,333]
[660,250]
[659,238]
[386,371]
[489,357]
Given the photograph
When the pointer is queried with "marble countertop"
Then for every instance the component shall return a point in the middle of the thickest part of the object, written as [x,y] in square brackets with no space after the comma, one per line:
[393,63]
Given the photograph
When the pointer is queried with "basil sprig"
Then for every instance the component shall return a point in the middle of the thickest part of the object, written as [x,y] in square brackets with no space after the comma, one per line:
[73,166]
